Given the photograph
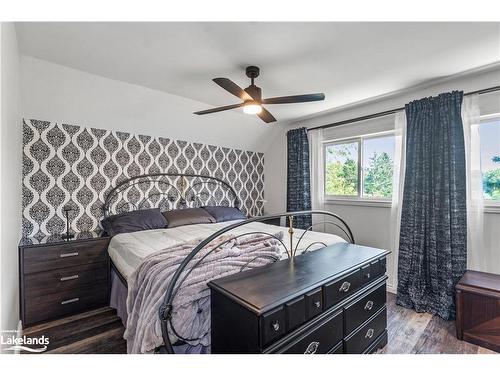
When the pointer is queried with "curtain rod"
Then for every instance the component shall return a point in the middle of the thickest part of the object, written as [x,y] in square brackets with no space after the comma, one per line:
[392,111]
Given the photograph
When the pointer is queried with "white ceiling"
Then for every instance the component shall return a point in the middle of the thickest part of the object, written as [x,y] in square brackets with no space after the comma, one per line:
[349,62]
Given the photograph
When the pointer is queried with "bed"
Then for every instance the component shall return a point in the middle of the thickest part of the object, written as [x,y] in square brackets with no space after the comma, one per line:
[193,245]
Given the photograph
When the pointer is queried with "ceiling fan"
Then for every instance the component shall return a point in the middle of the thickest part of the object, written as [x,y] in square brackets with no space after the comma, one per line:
[252,97]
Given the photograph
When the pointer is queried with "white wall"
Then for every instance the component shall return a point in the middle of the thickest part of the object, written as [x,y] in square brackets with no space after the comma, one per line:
[10,168]
[57,93]
[371,225]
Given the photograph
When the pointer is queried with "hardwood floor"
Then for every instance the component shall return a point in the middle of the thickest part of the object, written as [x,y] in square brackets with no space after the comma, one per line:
[411,332]
[101,331]
[97,332]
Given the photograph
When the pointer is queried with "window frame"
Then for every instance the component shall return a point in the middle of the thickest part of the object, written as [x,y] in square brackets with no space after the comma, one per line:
[358,199]
[490,205]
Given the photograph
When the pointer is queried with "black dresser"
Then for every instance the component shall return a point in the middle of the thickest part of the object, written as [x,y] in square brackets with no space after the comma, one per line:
[327,301]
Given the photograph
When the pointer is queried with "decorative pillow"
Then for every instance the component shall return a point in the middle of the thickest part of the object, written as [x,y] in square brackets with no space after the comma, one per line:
[187,216]
[134,221]
[223,213]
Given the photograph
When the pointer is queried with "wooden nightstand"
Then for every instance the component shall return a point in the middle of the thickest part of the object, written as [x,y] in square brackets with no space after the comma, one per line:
[478,309]
[59,278]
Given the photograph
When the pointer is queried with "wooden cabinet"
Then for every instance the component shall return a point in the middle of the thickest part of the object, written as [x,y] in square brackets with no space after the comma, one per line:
[59,278]
[319,302]
[478,309]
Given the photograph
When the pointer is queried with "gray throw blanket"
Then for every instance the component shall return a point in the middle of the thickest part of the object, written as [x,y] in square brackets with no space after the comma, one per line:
[191,305]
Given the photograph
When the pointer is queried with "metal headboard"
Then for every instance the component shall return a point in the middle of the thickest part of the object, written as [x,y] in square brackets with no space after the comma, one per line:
[169,191]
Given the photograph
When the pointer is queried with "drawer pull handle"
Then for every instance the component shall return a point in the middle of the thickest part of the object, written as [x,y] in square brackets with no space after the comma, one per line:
[70,301]
[317,304]
[66,278]
[67,255]
[369,333]
[368,275]
[312,347]
[369,305]
[345,286]
[276,325]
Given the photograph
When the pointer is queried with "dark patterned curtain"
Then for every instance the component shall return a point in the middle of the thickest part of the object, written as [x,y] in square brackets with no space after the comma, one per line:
[433,238]
[298,195]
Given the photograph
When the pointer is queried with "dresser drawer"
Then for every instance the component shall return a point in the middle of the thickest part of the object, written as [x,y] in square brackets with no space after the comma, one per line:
[295,313]
[337,349]
[272,325]
[337,290]
[382,264]
[321,339]
[361,339]
[49,282]
[66,302]
[314,303]
[363,308]
[367,274]
[45,258]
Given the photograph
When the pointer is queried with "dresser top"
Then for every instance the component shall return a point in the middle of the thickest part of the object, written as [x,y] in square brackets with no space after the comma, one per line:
[57,238]
[263,288]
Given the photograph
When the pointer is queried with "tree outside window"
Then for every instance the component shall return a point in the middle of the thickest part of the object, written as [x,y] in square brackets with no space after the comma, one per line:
[372,156]
[490,158]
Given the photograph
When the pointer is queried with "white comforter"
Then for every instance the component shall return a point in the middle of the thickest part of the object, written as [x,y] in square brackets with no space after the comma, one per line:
[128,250]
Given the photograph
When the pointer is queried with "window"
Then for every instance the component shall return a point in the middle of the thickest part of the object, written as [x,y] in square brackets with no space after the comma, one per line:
[489,132]
[360,167]
[341,167]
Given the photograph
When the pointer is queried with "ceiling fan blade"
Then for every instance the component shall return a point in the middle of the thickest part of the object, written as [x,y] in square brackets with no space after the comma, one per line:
[266,116]
[294,99]
[219,109]
[233,88]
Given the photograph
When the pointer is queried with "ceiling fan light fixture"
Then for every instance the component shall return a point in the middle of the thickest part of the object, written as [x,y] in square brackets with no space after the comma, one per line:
[251,97]
[252,108]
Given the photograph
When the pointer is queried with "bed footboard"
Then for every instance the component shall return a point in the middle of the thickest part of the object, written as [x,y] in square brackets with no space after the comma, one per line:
[185,268]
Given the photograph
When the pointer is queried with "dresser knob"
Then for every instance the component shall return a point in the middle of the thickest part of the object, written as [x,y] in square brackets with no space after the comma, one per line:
[67,255]
[66,278]
[317,304]
[369,333]
[276,325]
[70,301]
[345,286]
[312,347]
[368,275]
[369,305]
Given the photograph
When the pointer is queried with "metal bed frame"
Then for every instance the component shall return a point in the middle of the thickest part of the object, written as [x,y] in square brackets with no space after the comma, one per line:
[178,190]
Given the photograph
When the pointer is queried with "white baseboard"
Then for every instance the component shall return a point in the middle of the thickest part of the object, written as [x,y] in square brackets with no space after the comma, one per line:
[391,289]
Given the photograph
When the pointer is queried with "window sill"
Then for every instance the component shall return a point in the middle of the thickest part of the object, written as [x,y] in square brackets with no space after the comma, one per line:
[492,208]
[489,209]
[359,202]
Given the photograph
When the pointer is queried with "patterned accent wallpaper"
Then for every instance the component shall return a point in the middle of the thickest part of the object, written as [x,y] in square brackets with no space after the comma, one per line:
[68,164]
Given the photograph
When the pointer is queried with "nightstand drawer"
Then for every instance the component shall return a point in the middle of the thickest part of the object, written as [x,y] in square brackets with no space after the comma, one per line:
[45,258]
[66,302]
[58,280]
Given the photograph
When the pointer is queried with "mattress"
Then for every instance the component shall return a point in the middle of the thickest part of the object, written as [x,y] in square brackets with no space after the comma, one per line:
[127,250]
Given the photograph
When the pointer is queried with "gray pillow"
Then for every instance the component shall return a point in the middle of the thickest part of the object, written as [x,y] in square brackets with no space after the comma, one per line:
[223,213]
[187,216]
[134,221]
